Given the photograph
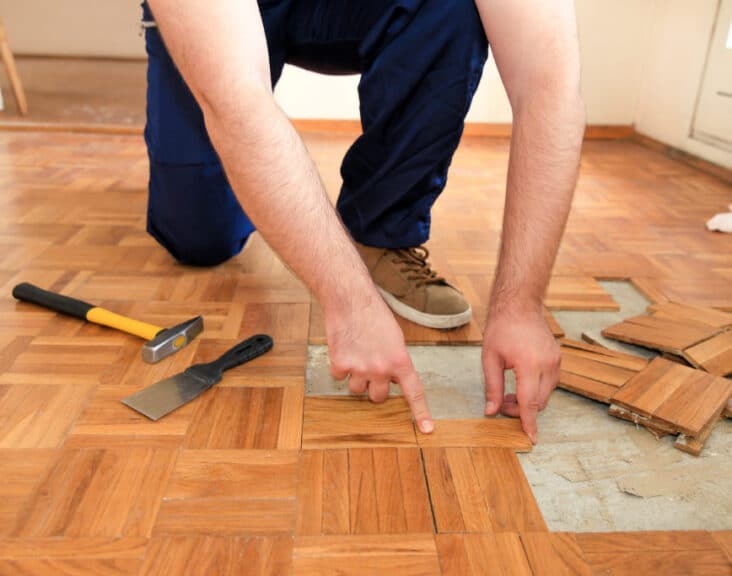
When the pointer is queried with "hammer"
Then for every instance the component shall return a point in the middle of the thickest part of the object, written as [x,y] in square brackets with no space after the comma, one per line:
[161,342]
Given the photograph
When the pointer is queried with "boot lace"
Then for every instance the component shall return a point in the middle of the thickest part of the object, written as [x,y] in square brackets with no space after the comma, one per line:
[415,264]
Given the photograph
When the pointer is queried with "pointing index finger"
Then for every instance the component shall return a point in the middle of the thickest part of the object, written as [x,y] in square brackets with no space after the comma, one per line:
[527,394]
[414,394]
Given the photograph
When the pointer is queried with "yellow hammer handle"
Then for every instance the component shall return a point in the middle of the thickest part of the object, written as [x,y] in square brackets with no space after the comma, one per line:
[107,318]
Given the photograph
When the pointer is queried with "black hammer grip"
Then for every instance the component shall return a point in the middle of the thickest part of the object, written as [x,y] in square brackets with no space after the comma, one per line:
[51,300]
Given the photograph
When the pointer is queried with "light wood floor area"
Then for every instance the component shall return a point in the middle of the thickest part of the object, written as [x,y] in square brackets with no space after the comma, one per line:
[252,477]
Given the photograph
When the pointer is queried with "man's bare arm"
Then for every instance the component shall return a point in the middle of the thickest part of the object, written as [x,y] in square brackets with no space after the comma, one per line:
[221,51]
[536,51]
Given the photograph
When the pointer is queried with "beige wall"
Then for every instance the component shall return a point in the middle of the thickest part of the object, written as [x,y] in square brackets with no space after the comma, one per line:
[642,61]
[676,49]
[611,33]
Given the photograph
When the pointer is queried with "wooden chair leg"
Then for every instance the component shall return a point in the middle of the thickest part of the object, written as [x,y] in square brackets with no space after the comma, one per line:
[9,61]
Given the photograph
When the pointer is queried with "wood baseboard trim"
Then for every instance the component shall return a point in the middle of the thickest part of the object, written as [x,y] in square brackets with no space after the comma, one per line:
[724,174]
[31,126]
[487,129]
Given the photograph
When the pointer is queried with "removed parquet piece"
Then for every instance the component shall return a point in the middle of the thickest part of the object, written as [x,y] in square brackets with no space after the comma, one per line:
[702,336]
[684,398]
[665,334]
[596,372]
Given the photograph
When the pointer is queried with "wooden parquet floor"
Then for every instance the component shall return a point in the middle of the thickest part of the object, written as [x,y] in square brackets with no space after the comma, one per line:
[254,478]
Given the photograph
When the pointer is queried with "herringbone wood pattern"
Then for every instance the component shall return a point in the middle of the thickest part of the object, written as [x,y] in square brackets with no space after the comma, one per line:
[251,478]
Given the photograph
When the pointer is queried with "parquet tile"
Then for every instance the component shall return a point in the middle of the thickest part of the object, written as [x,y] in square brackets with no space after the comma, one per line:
[480,490]
[98,493]
[230,492]
[682,397]
[362,491]
[577,293]
[408,555]
[683,311]
[500,553]
[486,432]
[668,335]
[195,555]
[345,422]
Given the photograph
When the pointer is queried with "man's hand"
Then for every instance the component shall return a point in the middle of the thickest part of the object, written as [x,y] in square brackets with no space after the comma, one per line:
[367,346]
[519,339]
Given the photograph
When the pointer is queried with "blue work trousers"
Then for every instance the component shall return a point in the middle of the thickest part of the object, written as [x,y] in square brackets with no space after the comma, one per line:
[420,62]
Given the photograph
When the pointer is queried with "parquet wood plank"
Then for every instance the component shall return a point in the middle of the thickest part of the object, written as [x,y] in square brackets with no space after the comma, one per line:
[667,562]
[195,555]
[602,354]
[684,311]
[667,335]
[225,517]
[596,370]
[98,493]
[631,542]
[417,507]
[713,355]
[556,553]
[408,555]
[586,387]
[76,567]
[577,293]
[487,432]
[70,548]
[310,492]
[343,421]
[336,512]
[445,503]
[501,554]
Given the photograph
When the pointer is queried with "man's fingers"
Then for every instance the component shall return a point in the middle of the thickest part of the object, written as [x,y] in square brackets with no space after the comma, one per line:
[357,384]
[493,371]
[510,406]
[527,394]
[414,394]
[378,391]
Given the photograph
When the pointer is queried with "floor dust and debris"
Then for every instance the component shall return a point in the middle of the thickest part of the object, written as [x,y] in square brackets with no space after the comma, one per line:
[590,472]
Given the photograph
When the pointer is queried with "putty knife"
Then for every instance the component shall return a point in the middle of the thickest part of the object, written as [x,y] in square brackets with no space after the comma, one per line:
[165,396]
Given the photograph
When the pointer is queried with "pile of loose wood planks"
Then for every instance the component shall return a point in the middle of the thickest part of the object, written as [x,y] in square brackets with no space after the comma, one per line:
[665,397]
[701,336]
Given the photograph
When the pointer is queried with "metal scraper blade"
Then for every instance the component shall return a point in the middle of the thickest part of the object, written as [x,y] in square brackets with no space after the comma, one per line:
[165,396]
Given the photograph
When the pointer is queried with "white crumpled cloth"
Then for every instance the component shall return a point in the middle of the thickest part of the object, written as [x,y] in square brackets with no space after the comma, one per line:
[721,222]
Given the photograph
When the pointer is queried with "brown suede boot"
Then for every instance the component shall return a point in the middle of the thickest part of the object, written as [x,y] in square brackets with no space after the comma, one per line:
[412,289]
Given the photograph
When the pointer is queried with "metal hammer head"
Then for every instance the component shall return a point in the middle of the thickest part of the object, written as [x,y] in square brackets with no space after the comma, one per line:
[170,340]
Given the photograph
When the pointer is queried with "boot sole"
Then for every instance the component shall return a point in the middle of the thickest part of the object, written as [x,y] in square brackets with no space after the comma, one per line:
[441,321]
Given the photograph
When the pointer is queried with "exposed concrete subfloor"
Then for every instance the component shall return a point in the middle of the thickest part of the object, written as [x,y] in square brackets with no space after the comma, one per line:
[590,472]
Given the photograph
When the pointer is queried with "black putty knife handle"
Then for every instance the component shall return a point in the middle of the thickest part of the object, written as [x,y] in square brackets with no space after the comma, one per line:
[245,351]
